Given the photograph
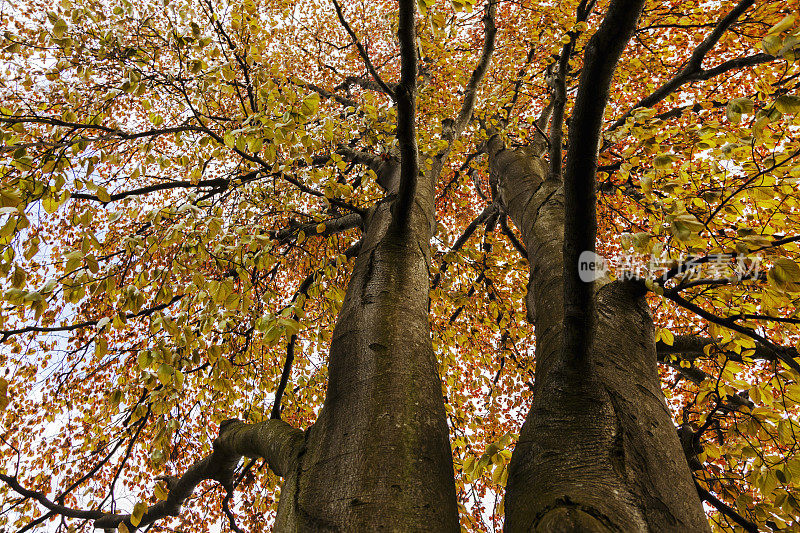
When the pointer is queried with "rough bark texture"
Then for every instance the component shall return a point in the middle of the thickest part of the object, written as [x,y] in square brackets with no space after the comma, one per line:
[598,450]
[378,457]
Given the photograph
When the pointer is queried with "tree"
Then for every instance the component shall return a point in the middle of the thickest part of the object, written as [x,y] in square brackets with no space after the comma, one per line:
[248,231]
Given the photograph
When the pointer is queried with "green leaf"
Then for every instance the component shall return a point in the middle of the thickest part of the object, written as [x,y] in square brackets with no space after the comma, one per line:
[772,44]
[737,107]
[664,161]
[59,28]
[164,374]
[788,104]
[138,512]
[310,104]
[785,275]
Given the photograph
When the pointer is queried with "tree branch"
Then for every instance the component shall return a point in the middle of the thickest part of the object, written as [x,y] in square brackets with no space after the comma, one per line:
[406,95]
[51,506]
[699,53]
[693,70]
[287,370]
[468,231]
[352,251]
[385,88]
[365,83]
[779,352]
[346,102]
[52,121]
[558,89]
[750,180]
[273,440]
[732,64]
[693,346]
[452,129]
[725,509]
[471,90]
[216,183]
[88,323]
[332,226]
[511,237]
[371,161]
[580,227]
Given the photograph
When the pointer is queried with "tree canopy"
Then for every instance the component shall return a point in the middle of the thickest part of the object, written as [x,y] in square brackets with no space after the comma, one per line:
[184,189]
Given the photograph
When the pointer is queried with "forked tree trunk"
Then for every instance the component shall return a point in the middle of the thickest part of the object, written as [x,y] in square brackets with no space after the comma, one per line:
[378,457]
[598,450]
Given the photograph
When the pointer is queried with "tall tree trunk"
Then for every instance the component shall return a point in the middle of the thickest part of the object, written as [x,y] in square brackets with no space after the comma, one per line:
[598,450]
[378,457]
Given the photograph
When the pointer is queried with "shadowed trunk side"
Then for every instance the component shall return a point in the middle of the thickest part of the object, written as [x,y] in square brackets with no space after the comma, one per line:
[598,450]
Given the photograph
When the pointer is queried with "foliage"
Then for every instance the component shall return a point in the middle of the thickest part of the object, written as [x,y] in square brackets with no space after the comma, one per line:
[178,188]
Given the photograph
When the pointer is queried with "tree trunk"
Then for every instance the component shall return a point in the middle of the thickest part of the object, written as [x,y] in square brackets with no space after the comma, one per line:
[378,457]
[598,450]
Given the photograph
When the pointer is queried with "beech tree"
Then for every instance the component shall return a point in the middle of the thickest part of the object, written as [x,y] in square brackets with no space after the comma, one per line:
[447,265]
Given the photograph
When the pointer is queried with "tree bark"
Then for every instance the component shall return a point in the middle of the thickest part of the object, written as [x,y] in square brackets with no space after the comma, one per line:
[378,457]
[598,450]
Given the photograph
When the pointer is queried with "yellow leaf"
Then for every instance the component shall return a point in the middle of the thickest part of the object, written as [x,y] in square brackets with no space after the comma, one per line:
[138,512]
[4,400]
[100,347]
[667,337]
[229,140]
[785,23]
[161,490]
[102,194]
[497,474]
[468,465]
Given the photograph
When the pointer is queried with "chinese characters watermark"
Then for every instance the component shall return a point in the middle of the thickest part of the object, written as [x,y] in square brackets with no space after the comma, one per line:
[592,266]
